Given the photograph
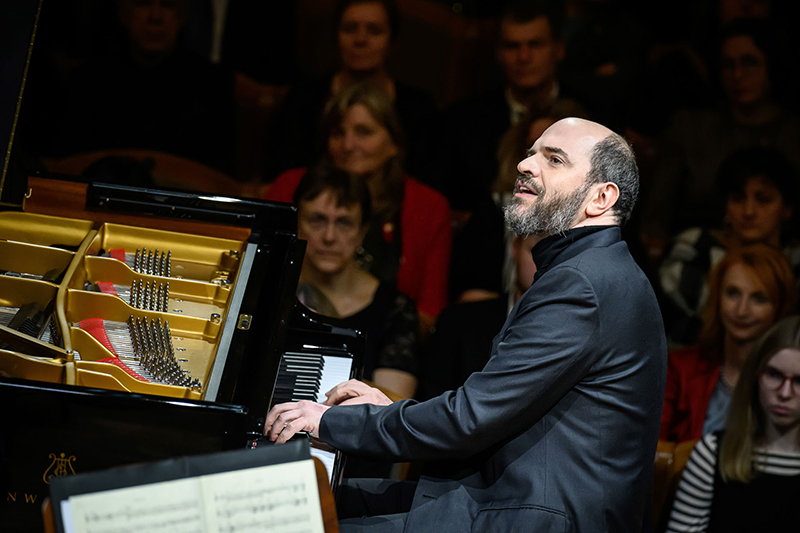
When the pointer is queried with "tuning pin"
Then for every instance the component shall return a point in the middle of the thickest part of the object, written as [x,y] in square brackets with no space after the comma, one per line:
[168,272]
[145,295]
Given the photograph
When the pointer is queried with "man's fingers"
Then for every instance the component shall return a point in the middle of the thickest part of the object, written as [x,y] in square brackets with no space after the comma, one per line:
[374,397]
[274,413]
[346,390]
[286,432]
[285,420]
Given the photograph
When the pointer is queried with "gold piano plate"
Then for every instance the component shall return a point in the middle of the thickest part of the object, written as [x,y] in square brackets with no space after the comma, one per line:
[188,322]
[194,257]
[32,261]
[44,230]
[18,365]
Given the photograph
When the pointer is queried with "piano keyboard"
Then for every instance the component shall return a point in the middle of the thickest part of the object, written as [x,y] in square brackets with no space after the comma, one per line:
[308,376]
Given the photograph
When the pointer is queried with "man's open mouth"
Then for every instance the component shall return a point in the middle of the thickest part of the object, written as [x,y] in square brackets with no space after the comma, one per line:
[525,189]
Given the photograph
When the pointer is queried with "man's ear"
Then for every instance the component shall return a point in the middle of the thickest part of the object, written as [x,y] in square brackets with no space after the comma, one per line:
[602,199]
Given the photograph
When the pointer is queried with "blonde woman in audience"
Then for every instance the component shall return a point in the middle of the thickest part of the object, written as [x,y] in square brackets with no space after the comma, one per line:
[747,478]
[751,288]
[365,32]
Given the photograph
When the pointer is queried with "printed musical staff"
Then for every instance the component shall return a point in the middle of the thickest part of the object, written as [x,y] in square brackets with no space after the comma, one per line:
[281,497]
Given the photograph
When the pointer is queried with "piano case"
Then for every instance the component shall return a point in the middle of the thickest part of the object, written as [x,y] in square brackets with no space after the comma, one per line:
[84,276]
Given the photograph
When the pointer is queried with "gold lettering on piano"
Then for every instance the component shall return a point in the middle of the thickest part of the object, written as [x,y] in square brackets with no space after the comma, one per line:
[29,498]
[59,466]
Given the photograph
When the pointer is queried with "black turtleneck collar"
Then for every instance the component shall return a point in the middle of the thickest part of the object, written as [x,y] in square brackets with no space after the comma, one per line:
[549,251]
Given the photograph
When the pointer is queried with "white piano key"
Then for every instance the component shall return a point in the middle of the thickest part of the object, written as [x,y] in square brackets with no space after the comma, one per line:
[336,370]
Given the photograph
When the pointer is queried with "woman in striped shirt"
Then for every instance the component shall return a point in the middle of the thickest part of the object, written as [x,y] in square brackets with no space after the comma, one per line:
[748,478]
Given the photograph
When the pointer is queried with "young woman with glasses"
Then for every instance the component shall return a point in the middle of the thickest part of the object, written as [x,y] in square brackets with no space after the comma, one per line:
[747,478]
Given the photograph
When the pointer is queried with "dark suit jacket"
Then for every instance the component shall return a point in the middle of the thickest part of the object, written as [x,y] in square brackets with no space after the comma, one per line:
[563,420]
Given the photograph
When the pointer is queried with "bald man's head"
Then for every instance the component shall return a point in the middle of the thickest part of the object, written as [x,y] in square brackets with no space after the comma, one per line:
[611,160]
[577,173]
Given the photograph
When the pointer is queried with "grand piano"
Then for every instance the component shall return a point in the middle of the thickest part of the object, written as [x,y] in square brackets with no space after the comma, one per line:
[142,324]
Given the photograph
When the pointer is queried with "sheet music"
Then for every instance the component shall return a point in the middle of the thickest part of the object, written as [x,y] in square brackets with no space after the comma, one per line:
[281,497]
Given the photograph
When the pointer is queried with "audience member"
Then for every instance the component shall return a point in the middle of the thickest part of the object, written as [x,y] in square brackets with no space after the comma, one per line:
[748,477]
[759,188]
[463,337]
[697,141]
[529,50]
[750,289]
[409,236]
[333,211]
[147,93]
[365,31]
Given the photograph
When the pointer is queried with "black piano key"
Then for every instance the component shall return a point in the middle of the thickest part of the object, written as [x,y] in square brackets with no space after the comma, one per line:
[299,378]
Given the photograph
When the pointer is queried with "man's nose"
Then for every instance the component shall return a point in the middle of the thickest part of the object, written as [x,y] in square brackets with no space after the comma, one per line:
[529,166]
[524,54]
[361,35]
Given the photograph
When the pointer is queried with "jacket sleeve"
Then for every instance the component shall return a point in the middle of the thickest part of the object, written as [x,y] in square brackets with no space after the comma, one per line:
[539,358]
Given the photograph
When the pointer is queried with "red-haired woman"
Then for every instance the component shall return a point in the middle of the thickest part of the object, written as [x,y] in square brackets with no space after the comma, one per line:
[751,288]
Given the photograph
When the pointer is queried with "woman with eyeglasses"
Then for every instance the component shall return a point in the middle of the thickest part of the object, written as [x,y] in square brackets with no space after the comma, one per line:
[747,478]
[751,288]
[333,213]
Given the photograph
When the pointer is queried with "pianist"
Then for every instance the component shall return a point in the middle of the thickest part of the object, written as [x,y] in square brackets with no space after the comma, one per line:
[561,425]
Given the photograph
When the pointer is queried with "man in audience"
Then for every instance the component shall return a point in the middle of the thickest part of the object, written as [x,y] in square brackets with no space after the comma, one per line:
[562,423]
[529,49]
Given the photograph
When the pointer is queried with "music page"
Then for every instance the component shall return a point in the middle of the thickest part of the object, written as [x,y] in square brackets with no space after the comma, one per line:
[281,497]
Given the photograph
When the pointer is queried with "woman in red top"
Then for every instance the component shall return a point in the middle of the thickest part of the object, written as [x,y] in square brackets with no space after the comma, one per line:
[751,288]
[410,234]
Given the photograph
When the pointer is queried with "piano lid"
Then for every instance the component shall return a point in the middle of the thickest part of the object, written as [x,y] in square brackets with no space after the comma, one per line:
[18,20]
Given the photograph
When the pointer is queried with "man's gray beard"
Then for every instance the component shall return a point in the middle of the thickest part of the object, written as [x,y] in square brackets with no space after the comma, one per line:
[545,217]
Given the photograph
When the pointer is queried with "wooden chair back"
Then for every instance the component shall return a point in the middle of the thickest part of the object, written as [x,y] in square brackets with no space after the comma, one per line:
[671,458]
[168,170]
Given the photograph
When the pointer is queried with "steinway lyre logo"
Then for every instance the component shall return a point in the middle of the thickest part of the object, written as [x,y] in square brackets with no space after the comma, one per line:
[60,467]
